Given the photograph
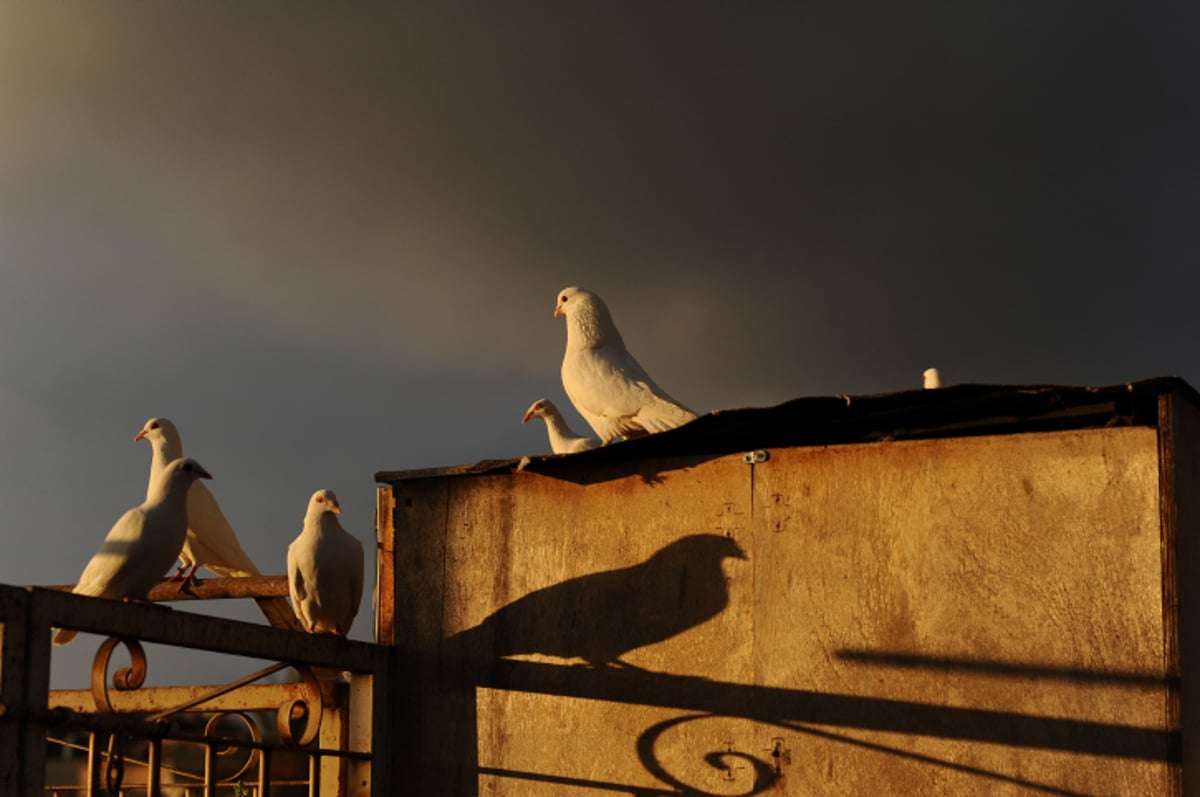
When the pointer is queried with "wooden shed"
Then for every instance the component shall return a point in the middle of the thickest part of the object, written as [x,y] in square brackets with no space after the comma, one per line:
[977,589]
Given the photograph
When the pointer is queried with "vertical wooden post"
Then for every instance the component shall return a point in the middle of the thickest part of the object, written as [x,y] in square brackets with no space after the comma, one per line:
[332,736]
[13,611]
[36,694]
[385,567]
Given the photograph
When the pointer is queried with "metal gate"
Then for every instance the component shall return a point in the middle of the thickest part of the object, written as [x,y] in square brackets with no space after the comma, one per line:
[324,730]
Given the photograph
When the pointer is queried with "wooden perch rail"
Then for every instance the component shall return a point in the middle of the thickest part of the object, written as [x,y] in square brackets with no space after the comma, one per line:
[269,592]
[211,589]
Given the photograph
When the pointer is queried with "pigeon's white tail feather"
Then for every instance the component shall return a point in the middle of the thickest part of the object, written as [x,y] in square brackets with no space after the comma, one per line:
[211,541]
[659,416]
[64,636]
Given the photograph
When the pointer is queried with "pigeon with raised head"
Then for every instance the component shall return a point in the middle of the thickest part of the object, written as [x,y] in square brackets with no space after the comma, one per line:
[210,540]
[562,439]
[930,379]
[143,543]
[325,569]
[611,390]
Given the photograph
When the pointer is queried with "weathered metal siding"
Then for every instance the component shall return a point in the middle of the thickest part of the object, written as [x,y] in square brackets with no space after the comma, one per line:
[1179,423]
[950,616]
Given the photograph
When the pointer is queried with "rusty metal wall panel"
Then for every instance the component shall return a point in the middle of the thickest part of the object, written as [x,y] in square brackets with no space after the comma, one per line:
[600,576]
[1011,580]
[949,616]
[420,530]
[581,558]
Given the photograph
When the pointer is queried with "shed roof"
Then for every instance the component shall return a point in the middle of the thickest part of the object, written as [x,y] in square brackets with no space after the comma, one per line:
[955,411]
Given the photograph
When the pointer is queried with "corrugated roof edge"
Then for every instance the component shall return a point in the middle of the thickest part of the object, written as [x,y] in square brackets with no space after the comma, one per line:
[954,411]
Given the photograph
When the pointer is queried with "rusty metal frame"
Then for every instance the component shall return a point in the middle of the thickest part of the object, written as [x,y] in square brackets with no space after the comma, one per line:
[343,729]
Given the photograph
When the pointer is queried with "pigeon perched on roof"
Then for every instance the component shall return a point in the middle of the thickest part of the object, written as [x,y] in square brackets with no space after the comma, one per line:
[611,390]
[143,543]
[325,569]
[210,540]
[562,439]
[930,378]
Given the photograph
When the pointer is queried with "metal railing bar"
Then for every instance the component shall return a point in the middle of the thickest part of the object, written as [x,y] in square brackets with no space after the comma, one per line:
[210,768]
[192,789]
[140,728]
[264,769]
[93,765]
[252,697]
[219,691]
[154,768]
[137,761]
[202,632]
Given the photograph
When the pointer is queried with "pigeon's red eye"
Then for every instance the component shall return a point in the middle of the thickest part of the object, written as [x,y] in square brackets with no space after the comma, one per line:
[563,299]
[320,500]
[154,426]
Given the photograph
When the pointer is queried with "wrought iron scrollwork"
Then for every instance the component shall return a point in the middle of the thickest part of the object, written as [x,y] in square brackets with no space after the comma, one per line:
[125,679]
[298,720]
[308,709]
[210,729]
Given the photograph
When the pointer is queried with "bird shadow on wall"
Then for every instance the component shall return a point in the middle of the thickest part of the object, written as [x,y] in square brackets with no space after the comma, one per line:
[599,617]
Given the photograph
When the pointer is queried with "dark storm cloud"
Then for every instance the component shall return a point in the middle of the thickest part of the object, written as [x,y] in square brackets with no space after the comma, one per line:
[326,240]
[422,173]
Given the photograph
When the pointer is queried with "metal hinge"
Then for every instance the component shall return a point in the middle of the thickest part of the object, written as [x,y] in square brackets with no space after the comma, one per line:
[755,457]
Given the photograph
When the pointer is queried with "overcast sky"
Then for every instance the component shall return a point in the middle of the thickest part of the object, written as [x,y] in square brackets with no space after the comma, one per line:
[326,240]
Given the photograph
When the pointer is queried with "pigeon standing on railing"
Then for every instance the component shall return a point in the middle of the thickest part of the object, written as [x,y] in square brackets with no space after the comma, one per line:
[143,543]
[611,390]
[563,439]
[325,569]
[210,539]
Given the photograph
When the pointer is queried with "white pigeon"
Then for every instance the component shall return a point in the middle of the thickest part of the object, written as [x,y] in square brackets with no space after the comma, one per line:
[930,378]
[143,543]
[611,390]
[325,569]
[562,439]
[210,540]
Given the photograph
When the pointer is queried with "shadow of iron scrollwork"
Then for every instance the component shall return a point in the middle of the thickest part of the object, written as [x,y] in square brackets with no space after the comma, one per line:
[769,775]
[823,716]
[765,774]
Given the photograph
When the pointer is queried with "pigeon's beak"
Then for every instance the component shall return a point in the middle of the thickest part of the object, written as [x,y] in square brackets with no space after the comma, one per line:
[336,508]
[557,310]
[203,474]
[140,436]
[528,415]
